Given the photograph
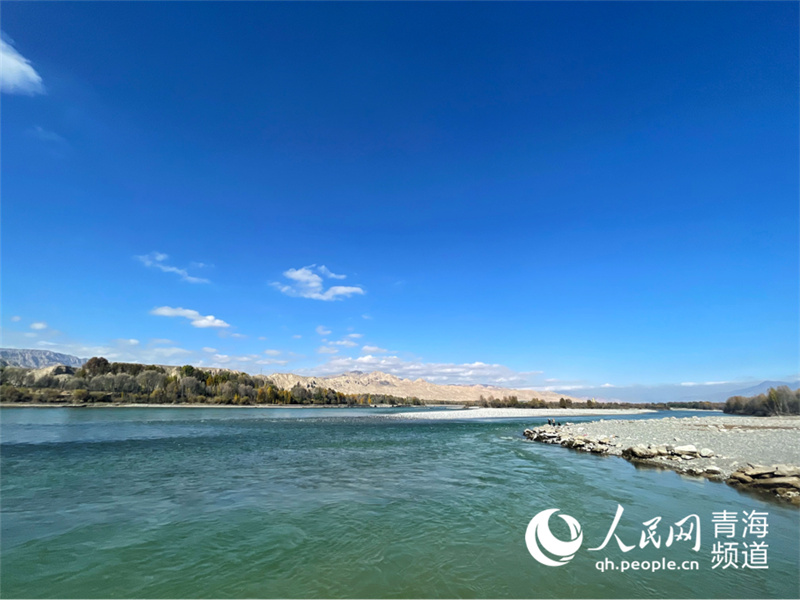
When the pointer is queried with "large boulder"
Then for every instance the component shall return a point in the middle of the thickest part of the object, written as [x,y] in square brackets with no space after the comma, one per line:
[759,471]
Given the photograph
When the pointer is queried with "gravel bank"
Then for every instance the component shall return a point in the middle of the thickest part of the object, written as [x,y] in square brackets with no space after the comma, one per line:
[715,447]
[513,413]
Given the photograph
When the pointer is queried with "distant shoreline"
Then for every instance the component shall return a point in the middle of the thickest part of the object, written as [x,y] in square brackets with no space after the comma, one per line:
[452,412]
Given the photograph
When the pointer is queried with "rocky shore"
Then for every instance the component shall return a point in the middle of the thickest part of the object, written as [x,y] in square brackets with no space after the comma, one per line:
[753,453]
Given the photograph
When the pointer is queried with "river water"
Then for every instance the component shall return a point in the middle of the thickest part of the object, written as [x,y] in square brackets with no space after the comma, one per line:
[346,503]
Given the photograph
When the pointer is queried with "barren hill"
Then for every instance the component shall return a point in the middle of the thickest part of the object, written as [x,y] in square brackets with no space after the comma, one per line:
[377,382]
[37,359]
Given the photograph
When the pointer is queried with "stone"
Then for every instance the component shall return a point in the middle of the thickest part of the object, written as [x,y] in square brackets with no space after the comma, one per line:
[637,452]
[687,449]
[777,482]
[739,476]
[706,453]
[713,470]
[759,471]
[786,471]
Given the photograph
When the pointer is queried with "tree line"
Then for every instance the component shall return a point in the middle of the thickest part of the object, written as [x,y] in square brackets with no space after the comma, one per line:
[515,402]
[101,381]
[776,401]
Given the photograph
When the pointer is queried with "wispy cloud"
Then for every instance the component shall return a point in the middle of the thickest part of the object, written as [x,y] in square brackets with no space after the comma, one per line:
[156,261]
[16,319]
[322,330]
[272,361]
[169,352]
[328,273]
[327,350]
[209,350]
[272,352]
[39,325]
[345,343]
[307,282]
[17,75]
[373,350]
[195,317]
[46,135]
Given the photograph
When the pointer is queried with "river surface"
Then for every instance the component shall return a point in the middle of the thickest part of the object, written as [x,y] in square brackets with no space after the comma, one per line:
[344,503]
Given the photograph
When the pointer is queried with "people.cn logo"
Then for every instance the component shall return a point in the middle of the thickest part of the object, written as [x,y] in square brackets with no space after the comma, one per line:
[539,539]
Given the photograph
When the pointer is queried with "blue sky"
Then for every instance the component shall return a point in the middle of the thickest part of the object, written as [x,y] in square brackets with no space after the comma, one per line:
[531,194]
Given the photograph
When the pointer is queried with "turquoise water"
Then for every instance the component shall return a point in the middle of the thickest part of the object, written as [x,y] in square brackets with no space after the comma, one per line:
[230,503]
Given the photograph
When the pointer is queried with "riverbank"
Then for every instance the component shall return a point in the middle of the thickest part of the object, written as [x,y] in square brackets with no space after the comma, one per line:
[759,453]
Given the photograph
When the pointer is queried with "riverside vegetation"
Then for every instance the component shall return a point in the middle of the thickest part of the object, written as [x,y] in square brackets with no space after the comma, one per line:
[777,401]
[100,381]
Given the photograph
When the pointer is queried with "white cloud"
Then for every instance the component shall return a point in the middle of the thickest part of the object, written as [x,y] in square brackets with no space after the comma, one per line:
[367,317]
[30,335]
[271,352]
[17,76]
[308,284]
[322,330]
[373,350]
[39,325]
[238,336]
[160,341]
[297,336]
[345,343]
[272,361]
[327,350]
[355,335]
[169,352]
[441,373]
[156,260]
[209,350]
[607,385]
[129,342]
[195,317]
[328,273]
[16,319]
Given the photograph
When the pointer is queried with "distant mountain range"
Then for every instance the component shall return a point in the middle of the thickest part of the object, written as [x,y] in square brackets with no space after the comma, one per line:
[37,359]
[356,382]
